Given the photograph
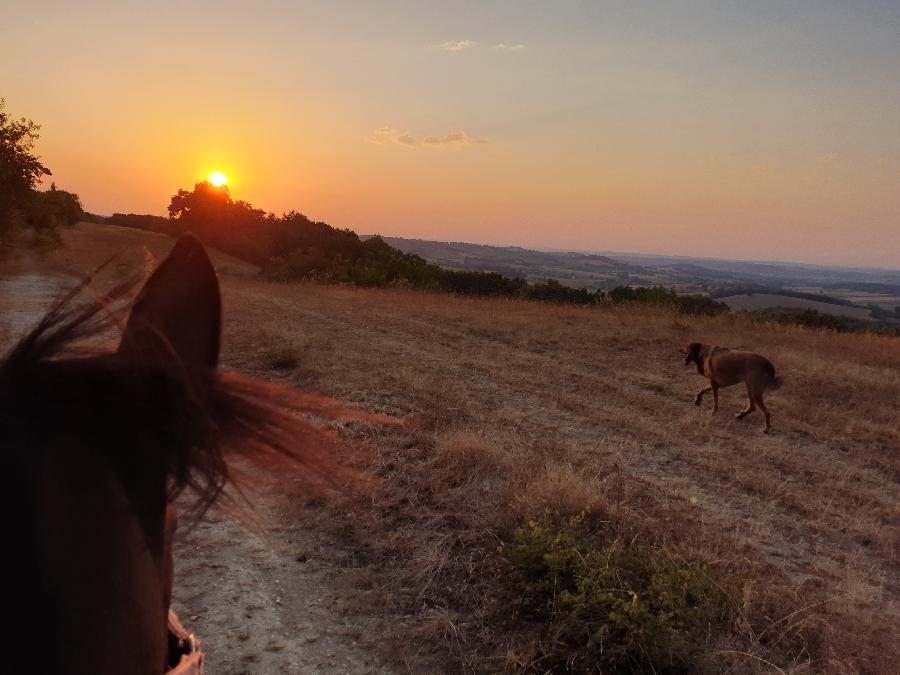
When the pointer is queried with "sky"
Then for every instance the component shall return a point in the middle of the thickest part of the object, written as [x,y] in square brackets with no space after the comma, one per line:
[762,130]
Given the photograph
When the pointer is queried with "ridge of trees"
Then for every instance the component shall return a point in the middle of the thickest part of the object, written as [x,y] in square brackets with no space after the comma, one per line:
[292,246]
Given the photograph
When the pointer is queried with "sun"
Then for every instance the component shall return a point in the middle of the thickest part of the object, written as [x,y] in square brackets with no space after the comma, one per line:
[218,178]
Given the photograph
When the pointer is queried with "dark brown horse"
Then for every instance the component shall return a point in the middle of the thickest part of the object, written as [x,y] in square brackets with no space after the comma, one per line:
[94,450]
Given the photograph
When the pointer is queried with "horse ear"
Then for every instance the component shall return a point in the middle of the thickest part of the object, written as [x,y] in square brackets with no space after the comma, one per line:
[178,313]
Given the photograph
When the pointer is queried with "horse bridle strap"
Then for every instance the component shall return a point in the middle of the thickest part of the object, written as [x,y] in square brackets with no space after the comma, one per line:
[184,647]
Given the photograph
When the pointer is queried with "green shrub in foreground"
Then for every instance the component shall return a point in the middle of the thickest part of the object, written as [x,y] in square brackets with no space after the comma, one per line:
[615,607]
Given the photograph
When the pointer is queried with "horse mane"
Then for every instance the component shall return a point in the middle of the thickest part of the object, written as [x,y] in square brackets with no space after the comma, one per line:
[195,419]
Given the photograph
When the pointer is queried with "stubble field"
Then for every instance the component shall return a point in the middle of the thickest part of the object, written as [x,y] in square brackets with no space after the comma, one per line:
[519,410]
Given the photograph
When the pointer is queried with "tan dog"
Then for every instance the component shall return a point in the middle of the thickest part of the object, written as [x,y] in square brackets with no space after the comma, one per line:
[724,367]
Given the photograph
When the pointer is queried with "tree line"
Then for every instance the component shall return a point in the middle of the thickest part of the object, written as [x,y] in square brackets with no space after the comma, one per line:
[291,246]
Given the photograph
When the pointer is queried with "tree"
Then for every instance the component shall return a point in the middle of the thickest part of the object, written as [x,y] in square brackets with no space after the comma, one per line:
[20,168]
[210,213]
[53,207]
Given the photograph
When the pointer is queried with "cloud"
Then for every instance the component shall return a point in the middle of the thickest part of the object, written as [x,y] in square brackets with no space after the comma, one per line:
[503,47]
[457,46]
[828,159]
[391,136]
[462,45]
[382,135]
[454,138]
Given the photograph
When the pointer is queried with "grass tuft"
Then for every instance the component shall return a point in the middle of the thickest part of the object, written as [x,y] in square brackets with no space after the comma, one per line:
[284,357]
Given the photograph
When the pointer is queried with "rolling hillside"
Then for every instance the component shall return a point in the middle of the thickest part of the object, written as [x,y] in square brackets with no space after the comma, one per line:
[861,287]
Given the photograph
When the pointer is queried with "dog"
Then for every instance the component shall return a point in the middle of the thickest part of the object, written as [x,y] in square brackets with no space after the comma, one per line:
[724,367]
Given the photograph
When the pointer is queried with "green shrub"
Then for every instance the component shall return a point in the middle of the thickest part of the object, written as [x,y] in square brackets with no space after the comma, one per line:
[615,606]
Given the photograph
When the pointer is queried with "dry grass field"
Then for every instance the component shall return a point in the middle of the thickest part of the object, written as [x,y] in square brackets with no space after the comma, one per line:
[521,410]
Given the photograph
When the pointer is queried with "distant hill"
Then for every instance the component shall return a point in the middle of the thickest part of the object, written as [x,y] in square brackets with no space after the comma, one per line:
[856,289]
[578,270]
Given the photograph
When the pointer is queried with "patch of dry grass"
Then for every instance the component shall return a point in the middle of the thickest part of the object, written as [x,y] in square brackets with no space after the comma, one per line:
[525,409]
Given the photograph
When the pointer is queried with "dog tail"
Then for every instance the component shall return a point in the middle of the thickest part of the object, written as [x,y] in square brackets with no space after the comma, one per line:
[775,381]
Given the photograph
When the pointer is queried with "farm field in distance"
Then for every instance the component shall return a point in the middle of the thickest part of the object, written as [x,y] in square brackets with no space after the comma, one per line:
[749,302]
[765,281]
[517,410]
[886,301]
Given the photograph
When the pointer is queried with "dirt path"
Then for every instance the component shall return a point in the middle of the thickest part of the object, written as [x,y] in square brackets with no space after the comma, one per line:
[270,601]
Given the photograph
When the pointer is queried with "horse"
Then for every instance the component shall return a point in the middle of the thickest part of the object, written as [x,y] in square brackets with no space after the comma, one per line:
[97,445]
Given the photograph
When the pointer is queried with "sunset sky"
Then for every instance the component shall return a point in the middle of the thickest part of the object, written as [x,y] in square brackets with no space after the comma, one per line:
[751,130]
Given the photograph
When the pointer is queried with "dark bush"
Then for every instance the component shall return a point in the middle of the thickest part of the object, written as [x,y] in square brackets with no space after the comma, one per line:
[696,305]
[52,208]
[812,318]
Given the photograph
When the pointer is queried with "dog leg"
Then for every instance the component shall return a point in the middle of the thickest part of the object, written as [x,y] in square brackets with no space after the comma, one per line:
[746,411]
[698,399]
[762,406]
[751,406]
[715,391]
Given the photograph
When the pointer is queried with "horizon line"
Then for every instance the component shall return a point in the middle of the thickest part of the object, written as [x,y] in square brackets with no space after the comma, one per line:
[610,253]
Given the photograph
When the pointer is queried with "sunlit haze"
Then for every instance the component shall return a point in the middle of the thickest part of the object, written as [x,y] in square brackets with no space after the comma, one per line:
[739,130]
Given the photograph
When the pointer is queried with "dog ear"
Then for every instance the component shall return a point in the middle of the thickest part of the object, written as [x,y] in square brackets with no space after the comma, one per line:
[692,352]
[696,356]
[178,312]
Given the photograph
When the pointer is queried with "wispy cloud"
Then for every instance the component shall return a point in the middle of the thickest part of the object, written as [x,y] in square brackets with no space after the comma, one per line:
[381,136]
[454,138]
[457,46]
[462,45]
[828,159]
[391,136]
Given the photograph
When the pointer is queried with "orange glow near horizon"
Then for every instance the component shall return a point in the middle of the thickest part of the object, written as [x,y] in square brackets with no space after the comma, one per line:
[704,132]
